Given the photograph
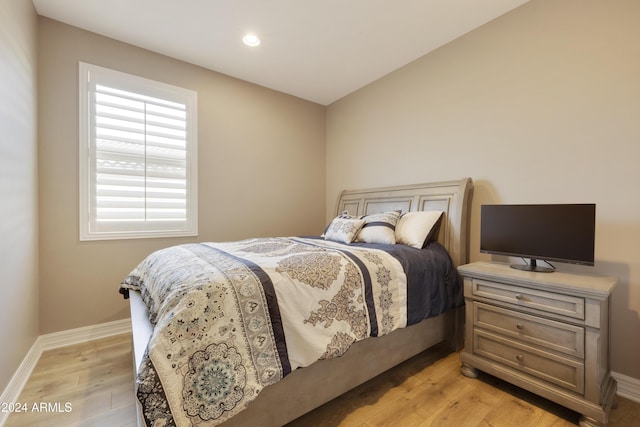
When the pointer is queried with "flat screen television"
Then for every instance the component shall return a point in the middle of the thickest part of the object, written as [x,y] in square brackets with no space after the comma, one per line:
[548,232]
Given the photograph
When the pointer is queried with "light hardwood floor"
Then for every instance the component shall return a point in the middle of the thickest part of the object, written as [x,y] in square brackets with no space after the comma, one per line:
[96,378]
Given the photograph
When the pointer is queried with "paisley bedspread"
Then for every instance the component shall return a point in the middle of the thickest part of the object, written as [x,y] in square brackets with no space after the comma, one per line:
[232,318]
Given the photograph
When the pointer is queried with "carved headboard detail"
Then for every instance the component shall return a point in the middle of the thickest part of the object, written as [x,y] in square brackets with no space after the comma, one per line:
[451,197]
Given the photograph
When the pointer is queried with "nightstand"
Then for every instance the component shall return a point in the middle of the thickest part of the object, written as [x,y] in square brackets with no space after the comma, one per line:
[544,332]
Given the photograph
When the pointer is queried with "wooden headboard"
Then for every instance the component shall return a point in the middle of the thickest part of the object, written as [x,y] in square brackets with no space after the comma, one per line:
[451,197]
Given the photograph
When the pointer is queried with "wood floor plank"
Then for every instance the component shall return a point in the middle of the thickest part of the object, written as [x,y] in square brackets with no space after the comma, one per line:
[96,378]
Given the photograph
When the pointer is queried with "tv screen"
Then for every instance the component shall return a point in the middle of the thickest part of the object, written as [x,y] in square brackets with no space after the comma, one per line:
[550,232]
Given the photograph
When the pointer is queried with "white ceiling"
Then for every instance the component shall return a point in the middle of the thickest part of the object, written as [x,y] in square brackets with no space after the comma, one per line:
[318,50]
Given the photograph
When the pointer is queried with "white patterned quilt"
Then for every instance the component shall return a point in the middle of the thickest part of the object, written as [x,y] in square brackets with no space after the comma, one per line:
[231,318]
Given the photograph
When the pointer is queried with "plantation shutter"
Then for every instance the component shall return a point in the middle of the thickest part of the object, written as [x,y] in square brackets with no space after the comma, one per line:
[140,158]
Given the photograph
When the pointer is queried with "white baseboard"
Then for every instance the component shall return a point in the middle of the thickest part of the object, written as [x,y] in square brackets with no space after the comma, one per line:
[12,392]
[87,333]
[628,387]
[56,340]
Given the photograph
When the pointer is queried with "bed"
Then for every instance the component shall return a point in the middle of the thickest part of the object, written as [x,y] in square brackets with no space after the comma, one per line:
[173,358]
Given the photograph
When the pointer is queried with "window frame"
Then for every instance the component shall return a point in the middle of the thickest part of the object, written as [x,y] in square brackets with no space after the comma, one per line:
[90,229]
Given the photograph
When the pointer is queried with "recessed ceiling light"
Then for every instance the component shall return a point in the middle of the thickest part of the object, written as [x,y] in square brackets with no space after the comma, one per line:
[251,40]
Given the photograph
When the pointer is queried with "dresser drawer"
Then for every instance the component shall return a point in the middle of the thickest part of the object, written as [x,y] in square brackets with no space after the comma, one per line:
[564,305]
[564,372]
[550,334]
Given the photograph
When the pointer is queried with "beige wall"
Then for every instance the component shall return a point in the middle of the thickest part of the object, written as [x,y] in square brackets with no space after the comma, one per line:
[261,170]
[18,185]
[541,105]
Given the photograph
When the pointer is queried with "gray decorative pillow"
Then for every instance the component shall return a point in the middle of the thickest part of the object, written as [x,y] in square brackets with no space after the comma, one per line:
[344,214]
[343,230]
[379,228]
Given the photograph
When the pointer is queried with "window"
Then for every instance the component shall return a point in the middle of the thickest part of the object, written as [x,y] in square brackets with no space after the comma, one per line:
[138,157]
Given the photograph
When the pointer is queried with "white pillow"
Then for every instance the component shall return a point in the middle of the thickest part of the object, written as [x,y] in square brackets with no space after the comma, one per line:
[414,227]
[379,228]
[343,230]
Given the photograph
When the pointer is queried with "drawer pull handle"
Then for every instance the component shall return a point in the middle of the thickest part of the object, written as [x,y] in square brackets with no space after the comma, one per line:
[520,358]
[520,326]
[519,297]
